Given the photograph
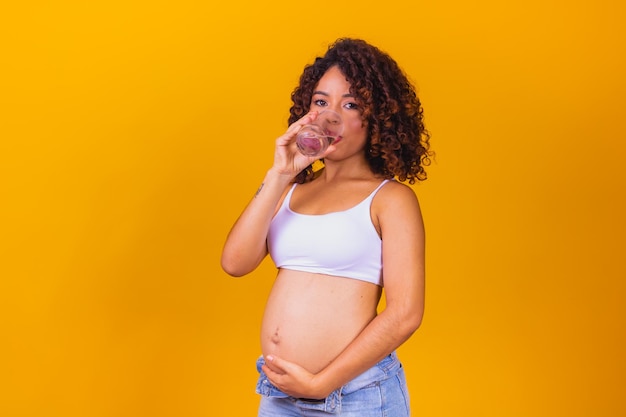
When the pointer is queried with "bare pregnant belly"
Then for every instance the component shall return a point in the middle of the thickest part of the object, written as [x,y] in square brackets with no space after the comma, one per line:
[310,318]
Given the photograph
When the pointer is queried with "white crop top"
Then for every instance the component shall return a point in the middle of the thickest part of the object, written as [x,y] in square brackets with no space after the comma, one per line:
[343,243]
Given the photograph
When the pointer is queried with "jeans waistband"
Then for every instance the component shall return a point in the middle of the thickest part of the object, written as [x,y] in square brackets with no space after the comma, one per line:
[386,368]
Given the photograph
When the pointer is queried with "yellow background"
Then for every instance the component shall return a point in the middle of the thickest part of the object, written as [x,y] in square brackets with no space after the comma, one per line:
[132,133]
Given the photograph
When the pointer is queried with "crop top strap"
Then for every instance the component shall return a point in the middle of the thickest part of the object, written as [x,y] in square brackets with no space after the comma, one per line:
[287,198]
[385,181]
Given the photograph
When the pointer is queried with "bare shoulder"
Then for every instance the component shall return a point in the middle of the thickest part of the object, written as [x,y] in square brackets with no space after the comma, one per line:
[395,209]
[395,194]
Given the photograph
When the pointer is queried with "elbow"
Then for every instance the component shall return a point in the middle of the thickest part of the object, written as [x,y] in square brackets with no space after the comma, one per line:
[238,260]
[232,267]
[410,323]
[237,266]
[233,270]
[414,323]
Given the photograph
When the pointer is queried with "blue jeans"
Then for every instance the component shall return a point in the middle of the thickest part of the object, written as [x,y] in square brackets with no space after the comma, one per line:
[379,391]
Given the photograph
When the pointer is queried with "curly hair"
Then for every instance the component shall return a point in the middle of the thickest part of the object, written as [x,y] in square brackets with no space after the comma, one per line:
[397,141]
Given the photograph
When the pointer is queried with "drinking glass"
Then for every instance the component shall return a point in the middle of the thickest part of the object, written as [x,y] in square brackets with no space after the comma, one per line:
[314,138]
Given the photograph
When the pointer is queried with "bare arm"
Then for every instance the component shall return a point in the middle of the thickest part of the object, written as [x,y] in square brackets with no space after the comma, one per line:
[403,258]
[245,245]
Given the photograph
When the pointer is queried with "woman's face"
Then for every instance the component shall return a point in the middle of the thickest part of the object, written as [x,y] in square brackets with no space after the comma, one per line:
[333,92]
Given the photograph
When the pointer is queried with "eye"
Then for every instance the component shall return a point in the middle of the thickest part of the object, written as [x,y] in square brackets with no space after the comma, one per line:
[351,106]
[320,103]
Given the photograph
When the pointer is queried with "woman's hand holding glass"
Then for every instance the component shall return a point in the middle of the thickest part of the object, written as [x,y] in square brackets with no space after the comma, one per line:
[288,159]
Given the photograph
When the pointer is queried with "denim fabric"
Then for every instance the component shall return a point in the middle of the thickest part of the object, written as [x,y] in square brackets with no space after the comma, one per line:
[379,391]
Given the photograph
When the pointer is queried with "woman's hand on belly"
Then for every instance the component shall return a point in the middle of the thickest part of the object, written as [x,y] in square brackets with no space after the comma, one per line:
[293,379]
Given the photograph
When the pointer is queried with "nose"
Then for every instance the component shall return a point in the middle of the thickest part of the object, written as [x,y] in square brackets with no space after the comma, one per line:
[336,108]
[333,117]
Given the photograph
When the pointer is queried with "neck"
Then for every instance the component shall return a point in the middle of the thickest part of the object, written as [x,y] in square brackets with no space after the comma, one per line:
[343,171]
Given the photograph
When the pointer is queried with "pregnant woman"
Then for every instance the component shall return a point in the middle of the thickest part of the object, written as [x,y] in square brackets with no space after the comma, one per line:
[339,234]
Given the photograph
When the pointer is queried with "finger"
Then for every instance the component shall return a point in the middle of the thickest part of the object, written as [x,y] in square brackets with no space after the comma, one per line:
[306,119]
[276,364]
[271,373]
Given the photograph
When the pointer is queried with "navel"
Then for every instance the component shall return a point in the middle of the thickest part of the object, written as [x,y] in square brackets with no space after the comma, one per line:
[275,337]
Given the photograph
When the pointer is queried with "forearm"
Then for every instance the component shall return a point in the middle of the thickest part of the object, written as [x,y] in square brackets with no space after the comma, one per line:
[245,246]
[381,337]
